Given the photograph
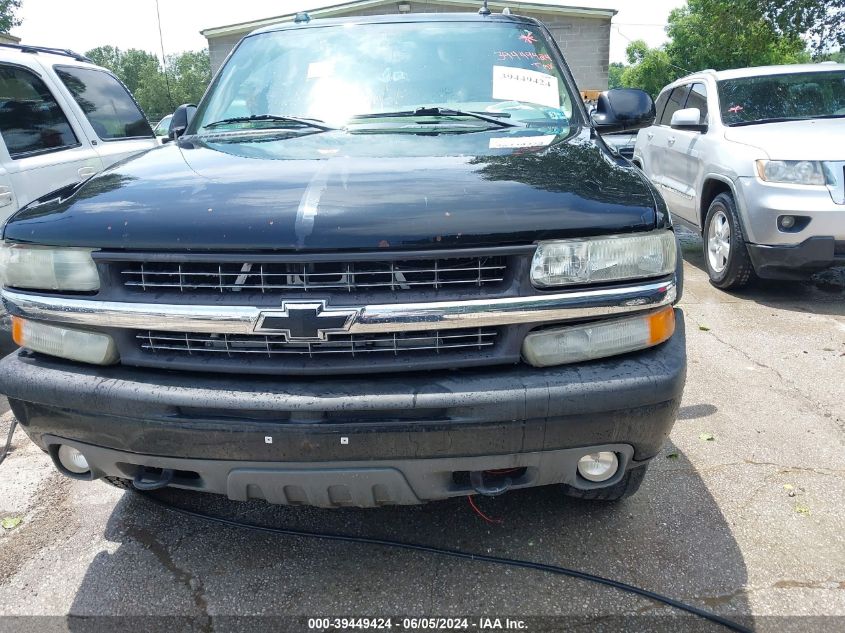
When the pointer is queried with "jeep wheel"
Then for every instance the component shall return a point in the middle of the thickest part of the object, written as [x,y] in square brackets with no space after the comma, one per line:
[623,488]
[725,254]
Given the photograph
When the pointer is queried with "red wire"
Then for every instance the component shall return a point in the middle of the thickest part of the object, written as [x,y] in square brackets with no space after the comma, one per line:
[481,514]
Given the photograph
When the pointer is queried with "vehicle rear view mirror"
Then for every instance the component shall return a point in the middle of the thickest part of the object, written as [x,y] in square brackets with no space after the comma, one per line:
[622,110]
[181,118]
[688,119]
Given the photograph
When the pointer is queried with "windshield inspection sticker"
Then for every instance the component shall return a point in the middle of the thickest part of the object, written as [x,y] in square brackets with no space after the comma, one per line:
[521,141]
[519,84]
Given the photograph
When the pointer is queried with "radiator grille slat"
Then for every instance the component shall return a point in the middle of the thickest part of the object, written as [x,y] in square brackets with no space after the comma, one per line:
[349,345]
[388,275]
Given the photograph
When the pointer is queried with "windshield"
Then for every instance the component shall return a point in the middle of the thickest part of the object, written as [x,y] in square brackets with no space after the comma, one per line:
[333,74]
[791,96]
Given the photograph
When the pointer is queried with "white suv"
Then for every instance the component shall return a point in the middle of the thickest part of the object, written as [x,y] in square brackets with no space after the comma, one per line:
[62,119]
[754,159]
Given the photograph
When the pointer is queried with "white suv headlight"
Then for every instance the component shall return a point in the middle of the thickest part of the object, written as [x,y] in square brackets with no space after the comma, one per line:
[795,172]
[601,259]
[47,268]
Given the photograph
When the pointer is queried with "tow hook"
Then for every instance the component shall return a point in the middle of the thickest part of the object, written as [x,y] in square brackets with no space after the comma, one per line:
[146,480]
[476,480]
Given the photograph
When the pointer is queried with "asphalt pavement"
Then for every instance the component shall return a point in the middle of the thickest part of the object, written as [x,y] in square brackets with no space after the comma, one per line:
[741,514]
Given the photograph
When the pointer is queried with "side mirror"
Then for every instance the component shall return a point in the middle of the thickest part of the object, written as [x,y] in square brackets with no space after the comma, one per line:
[181,118]
[623,110]
[688,119]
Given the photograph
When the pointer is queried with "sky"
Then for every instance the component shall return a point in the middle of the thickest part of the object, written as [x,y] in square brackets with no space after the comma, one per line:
[84,24]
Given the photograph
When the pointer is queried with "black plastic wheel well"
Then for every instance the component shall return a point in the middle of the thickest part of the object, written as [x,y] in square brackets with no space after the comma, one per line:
[712,188]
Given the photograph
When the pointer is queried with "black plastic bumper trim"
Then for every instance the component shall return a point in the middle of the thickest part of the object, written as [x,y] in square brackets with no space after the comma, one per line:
[796,262]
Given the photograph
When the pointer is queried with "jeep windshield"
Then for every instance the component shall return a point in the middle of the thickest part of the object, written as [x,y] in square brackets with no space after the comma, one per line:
[442,76]
[782,97]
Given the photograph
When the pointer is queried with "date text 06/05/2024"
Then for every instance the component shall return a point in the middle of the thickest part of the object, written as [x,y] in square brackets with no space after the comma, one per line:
[417,624]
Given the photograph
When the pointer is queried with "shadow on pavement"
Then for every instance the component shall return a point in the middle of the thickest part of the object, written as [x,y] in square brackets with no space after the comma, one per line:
[671,538]
[824,293]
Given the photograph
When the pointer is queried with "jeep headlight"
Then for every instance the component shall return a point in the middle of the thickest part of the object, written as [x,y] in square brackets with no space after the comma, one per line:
[603,259]
[47,268]
[795,172]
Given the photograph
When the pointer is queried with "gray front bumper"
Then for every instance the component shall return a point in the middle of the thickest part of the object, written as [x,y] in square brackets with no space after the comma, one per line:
[352,483]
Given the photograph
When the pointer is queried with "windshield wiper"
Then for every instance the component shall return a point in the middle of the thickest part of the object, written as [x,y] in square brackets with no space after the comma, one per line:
[780,119]
[315,123]
[491,117]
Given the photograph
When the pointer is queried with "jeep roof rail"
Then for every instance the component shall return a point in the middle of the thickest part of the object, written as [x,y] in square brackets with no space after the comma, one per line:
[26,48]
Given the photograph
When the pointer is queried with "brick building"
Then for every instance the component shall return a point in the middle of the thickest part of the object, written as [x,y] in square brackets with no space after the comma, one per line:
[583,34]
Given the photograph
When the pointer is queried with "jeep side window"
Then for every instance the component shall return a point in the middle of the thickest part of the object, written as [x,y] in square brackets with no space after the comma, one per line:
[676,102]
[698,99]
[106,103]
[31,121]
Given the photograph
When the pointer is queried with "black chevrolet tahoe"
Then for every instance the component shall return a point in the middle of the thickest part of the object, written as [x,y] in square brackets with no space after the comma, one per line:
[386,260]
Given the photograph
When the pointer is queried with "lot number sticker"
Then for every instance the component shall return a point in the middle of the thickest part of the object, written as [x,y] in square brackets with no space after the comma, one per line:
[519,84]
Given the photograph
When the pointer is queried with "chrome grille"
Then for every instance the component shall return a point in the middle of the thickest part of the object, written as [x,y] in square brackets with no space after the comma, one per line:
[348,345]
[386,275]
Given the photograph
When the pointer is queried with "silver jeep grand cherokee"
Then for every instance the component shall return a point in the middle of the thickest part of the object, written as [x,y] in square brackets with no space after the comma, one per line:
[753,159]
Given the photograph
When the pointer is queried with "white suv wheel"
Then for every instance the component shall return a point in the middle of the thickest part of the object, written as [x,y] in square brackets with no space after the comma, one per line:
[719,242]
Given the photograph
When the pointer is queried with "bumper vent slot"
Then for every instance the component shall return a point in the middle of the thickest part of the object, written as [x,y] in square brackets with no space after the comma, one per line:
[347,345]
[369,276]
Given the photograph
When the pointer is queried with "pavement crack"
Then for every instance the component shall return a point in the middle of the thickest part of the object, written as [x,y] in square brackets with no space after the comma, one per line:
[790,386]
[827,472]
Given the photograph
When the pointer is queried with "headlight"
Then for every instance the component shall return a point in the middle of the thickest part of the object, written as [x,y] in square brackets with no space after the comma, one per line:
[796,172]
[45,268]
[598,259]
[86,347]
[579,343]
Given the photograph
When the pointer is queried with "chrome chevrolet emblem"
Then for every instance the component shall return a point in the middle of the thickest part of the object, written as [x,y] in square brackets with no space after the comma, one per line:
[306,321]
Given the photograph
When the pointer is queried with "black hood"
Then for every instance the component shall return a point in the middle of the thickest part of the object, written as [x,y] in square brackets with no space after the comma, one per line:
[343,191]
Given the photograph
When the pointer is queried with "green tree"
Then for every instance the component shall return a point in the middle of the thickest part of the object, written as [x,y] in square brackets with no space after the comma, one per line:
[134,64]
[128,65]
[822,22]
[838,57]
[190,73]
[722,34]
[614,75]
[8,15]
[650,70]
[106,56]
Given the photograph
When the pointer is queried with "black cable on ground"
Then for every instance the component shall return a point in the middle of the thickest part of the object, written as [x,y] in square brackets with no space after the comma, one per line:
[429,549]
[8,440]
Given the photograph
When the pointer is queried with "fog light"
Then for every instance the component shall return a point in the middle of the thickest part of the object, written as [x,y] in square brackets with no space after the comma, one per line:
[73,460]
[787,221]
[86,347]
[599,466]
